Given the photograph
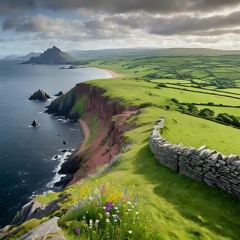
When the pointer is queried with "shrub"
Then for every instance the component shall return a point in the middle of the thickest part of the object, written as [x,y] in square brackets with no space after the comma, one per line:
[175,100]
[192,108]
[225,118]
[152,75]
[206,112]
[161,85]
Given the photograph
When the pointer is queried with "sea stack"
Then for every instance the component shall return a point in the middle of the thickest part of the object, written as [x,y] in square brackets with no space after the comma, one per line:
[40,95]
[35,123]
[59,94]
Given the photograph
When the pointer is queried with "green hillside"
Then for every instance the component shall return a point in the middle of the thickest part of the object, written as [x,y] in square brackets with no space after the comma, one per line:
[172,206]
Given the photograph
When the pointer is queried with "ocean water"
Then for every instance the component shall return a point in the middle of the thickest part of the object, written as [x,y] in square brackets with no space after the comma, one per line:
[28,165]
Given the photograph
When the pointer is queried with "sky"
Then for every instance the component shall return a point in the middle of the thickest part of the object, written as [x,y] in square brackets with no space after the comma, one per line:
[35,25]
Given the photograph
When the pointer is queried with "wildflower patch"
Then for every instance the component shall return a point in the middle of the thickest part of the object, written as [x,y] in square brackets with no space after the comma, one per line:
[108,213]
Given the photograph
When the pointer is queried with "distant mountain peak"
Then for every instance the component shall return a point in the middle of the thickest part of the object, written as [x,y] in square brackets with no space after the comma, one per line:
[52,55]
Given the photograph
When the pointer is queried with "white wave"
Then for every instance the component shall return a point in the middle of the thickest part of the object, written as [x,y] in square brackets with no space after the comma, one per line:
[57,177]
[61,120]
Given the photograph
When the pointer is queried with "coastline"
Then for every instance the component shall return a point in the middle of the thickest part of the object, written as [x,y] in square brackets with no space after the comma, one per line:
[83,124]
[112,73]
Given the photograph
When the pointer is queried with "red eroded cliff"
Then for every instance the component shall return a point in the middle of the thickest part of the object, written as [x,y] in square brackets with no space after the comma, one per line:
[108,134]
[98,104]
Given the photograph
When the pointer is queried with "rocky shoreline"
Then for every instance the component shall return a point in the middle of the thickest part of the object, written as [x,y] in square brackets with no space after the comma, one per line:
[99,150]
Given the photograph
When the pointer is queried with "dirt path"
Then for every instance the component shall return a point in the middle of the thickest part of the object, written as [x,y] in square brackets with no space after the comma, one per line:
[86,133]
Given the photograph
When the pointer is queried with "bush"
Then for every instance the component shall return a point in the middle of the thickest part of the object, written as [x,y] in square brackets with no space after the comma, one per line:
[225,118]
[235,121]
[161,85]
[175,100]
[152,75]
[206,112]
[210,104]
[192,108]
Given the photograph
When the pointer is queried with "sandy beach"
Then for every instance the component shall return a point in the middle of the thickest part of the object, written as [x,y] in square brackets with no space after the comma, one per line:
[113,74]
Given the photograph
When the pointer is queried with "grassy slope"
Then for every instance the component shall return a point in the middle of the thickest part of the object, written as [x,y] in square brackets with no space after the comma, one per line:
[181,208]
[188,130]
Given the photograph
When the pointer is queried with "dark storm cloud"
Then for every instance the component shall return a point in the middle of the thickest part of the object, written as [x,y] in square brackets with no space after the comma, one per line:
[179,25]
[125,23]
[17,6]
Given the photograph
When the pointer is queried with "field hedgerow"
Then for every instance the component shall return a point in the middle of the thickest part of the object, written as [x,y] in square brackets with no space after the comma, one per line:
[108,214]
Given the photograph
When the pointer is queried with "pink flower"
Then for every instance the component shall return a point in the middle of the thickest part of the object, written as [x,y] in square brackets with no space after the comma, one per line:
[78,231]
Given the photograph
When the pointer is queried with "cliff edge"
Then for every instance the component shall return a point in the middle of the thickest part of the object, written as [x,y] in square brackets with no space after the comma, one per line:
[96,110]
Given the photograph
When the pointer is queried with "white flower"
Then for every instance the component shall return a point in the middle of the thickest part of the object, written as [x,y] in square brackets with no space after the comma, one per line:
[90,198]
[116,208]
[107,220]
[129,203]
[107,213]
[97,221]
[130,232]
[136,213]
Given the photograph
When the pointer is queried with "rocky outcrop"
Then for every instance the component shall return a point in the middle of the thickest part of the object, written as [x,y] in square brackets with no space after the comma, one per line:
[59,94]
[44,230]
[202,165]
[34,209]
[34,123]
[40,95]
[62,105]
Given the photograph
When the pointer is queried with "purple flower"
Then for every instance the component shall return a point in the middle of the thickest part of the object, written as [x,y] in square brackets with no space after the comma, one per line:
[78,231]
[109,206]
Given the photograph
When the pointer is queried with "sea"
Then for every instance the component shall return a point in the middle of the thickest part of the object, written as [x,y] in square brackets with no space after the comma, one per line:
[31,157]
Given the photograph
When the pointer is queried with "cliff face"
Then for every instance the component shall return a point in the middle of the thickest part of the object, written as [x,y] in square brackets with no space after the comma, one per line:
[88,101]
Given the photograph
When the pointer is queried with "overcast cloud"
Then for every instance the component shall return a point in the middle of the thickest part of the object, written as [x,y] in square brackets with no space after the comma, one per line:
[119,6]
[132,23]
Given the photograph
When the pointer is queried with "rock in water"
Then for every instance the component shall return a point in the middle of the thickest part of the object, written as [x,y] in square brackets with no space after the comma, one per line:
[34,123]
[59,94]
[40,95]
[64,142]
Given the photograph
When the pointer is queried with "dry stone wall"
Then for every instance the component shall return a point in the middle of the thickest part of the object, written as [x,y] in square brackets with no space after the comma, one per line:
[203,164]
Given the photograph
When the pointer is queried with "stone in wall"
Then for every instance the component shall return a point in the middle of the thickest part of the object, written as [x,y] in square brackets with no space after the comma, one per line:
[203,164]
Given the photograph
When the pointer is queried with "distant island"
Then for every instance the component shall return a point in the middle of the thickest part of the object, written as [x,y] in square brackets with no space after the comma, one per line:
[22,58]
[51,56]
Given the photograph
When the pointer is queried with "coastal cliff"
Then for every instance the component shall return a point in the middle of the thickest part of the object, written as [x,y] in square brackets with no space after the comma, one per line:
[96,110]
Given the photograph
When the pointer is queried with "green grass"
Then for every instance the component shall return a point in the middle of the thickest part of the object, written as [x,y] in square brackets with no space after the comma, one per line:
[176,81]
[181,208]
[93,129]
[47,198]
[79,106]
[188,130]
